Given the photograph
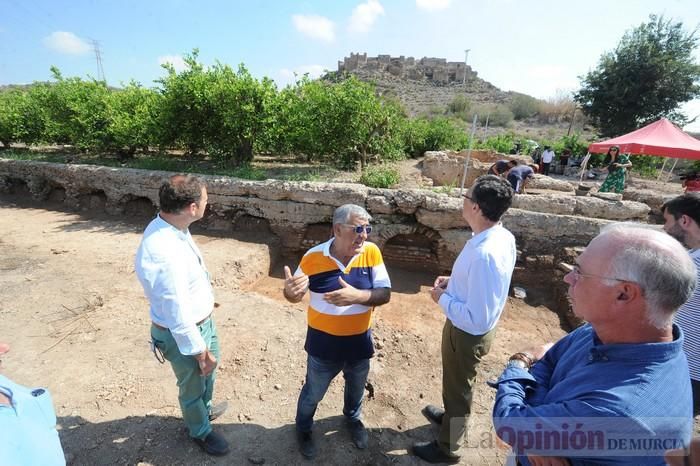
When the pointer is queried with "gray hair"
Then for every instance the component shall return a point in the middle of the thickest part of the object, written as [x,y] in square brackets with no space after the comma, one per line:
[343,213]
[657,263]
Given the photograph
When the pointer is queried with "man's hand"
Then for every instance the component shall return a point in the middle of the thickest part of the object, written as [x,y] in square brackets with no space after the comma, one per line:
[547,460]
[441,282]
[347,295]
[206,362]
[295,286]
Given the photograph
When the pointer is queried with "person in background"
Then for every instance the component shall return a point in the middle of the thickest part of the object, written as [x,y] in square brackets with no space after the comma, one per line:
[520,176]
[564,160]
[28,433]
[472,299]
[691,183]
[501,167]
[346,278]
[682,221]
[547,158]
[617,165]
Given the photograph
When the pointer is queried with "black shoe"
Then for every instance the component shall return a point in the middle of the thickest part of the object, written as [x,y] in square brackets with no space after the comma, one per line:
[213,444]
[359,434]
[434,414]
[307,446]
[218,410]
[431,452]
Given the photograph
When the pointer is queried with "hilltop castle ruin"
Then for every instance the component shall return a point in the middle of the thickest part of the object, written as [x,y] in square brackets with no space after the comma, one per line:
[435,70]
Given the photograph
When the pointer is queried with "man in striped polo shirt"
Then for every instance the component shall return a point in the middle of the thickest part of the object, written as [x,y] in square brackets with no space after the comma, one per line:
[346,278]
[682,221]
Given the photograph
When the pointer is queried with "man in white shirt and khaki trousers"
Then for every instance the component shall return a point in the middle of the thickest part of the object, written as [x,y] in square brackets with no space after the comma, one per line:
[173,275]
[472,298]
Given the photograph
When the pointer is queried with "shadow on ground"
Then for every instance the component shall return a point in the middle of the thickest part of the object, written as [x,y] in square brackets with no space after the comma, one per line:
[162,440]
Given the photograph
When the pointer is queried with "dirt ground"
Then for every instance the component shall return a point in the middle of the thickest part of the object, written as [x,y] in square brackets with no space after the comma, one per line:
[77,322]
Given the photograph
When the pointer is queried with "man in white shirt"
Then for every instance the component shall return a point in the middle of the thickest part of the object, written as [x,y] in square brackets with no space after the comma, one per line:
[176,282]
[472,298]
[547,158]
[682,221]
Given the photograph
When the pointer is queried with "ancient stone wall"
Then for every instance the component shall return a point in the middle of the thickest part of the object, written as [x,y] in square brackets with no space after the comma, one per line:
[415,228]
[420,226]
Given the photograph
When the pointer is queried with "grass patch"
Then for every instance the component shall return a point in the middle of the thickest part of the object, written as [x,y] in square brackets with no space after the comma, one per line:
[380,177]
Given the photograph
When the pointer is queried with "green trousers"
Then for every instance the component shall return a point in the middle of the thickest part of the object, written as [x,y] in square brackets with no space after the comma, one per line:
[461,355]
[195,391]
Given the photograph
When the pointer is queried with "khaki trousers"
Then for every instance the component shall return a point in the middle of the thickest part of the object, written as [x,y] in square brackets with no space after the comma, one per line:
[461,355]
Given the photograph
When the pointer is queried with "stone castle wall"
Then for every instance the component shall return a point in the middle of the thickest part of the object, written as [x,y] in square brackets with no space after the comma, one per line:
[436,70]
[422,84]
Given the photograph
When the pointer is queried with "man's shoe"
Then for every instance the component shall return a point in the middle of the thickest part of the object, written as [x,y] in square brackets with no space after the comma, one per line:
[213,444]
[359,434]
[431,452]
[307,446]
[218,410]
[434,414]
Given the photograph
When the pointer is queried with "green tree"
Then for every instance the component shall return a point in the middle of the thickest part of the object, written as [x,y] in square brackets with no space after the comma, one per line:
[342,122]
[214,109]
[646,77]
[72,111]
[524,106]
[20,120]
[132,119]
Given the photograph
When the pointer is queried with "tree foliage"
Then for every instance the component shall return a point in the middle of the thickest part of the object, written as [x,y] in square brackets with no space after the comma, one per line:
[213,109]
[646,77]
[132,115]
[343,122]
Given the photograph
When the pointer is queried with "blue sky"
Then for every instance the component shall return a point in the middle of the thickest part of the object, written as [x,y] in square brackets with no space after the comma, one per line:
[538,47]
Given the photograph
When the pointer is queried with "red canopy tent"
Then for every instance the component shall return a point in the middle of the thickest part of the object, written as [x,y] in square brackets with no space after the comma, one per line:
[661,138]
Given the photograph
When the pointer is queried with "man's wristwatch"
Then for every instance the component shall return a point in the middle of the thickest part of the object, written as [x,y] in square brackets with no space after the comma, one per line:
[522,360]
[516,363]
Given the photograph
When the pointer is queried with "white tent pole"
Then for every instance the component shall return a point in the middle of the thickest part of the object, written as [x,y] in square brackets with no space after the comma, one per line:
[583,166]
[661,172]
[670,174]
[469,155]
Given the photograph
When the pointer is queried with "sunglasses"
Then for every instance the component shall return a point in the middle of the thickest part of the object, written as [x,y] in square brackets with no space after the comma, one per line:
[360,228]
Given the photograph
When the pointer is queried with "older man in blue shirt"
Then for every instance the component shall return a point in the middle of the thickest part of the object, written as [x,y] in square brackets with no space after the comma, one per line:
[616,390]
[472,299]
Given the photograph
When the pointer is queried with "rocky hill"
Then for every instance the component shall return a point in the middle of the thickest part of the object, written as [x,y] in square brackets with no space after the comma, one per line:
[422,84]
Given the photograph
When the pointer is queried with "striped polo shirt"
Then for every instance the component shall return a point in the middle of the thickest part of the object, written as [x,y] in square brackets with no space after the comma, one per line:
[341,333]
[688,319]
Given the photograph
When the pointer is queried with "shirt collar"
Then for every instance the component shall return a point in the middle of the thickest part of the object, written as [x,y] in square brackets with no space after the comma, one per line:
[481,237]
[183,235]
[661,351]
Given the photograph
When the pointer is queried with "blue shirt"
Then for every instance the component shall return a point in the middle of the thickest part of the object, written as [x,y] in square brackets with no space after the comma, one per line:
[521,172]
[478,288]
[632,400]
[28,427]
[173,275]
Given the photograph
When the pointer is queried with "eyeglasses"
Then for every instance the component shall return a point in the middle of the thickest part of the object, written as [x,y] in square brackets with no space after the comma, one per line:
[360,228]
[613,149]
[576,271]
[467,196]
